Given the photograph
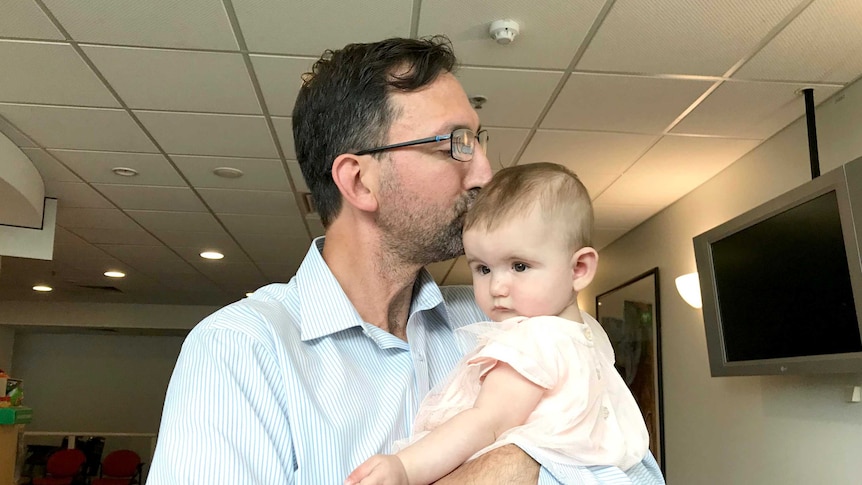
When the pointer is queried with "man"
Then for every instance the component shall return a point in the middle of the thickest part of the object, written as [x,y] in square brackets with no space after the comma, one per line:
[303,381]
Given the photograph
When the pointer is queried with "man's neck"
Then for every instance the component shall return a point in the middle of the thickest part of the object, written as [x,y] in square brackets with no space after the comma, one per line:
[378,285]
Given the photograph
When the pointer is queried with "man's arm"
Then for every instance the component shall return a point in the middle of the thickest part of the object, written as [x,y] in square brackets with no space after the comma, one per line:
[507,464]
[224,419]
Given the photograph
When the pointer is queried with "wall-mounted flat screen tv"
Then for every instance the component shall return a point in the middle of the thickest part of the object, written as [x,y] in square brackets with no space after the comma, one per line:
[782,283]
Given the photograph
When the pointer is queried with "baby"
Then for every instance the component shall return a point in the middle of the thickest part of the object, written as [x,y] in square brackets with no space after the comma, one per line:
[538,376]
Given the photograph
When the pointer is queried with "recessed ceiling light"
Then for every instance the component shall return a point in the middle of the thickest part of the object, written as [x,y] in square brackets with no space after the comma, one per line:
[211,255]
[42,288]
[124,171]
[249,294]
[115,274]
[228,172]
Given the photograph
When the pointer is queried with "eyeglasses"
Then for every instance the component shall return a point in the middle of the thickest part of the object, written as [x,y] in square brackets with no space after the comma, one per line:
[462,147]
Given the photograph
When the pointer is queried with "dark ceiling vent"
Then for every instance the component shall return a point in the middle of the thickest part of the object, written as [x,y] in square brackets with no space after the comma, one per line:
[309,203]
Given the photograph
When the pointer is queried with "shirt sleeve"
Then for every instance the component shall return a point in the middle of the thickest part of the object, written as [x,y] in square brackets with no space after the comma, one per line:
[533,350]
[224,419]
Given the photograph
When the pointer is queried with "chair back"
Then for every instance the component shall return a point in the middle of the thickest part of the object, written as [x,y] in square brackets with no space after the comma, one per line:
[121,463]
[65,463]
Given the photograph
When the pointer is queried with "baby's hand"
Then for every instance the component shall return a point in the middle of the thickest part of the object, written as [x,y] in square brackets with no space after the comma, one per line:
[379,470]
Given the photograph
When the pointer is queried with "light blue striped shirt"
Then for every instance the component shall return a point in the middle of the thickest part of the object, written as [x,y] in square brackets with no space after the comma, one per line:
[291,386]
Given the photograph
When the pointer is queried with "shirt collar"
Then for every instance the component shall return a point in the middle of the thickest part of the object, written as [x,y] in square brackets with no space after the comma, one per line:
[325,308]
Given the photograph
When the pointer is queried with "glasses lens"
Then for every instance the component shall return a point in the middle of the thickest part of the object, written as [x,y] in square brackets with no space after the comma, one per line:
[462,145]
[483,138]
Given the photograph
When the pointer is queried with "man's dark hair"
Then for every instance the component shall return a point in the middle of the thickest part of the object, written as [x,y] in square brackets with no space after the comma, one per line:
[343,104]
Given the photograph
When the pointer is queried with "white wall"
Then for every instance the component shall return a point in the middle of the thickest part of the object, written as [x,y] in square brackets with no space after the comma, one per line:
[744,430]
[95,383]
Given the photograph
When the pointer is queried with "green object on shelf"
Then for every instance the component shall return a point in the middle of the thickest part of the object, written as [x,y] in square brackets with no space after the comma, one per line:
[16,415]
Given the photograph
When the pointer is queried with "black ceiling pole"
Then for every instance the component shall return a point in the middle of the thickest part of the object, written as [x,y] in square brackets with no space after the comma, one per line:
[813,155]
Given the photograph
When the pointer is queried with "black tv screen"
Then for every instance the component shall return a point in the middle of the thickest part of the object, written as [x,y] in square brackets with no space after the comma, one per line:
[783,286]
[782,283]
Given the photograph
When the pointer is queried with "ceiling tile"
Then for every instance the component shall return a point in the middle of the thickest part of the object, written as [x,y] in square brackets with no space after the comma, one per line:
[175,80]
[551,32]
[163,221]
[74,194]
[26,20]
[284,129]
[622,216]
[226,246]
[749,109]
[274,26]
[633,104]
[49,168]
[149,259]
[515,97]
[95,218]
[115,236]
[280,79]
[803,51]
[681,36]
[257,202]
[210,134]
[79,128]
[274,248]
[678,165]
[145,197]
[165,23]
[257,173]
[245,275]
[14,134]
[595,157]
[201,241]
[95,167]
[39,72]
[257,224]
[279,273]
[504,144]
[298,179]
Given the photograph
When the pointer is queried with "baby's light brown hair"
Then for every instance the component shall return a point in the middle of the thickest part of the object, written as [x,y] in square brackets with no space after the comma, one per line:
[553,189]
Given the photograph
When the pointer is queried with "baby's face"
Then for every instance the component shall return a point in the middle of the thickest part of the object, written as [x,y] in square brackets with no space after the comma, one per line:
[521,268]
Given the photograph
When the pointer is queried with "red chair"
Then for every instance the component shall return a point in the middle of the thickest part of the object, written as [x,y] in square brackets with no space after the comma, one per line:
[63,467]
[121,467]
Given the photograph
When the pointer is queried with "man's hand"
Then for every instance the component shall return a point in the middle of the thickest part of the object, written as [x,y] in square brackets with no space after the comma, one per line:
[379,470]
[507,465]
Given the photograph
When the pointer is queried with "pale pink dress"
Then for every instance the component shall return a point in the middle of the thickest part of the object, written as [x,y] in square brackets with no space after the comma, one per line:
[587,416]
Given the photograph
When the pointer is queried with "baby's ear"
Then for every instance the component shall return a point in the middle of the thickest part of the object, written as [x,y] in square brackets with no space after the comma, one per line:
[585,262]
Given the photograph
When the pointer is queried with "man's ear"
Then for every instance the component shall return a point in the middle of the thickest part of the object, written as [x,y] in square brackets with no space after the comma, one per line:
[356,178]
[585,262]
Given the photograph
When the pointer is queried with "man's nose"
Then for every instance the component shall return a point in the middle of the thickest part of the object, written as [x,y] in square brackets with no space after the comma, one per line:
[480,172]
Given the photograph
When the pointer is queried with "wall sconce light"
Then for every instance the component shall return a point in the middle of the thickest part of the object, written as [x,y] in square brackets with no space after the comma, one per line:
[688,287]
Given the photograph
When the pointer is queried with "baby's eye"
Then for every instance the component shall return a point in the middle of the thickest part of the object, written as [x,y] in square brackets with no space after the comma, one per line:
[482,269]
[519,267]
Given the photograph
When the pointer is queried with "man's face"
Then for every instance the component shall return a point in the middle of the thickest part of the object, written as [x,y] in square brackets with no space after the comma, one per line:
[424,193]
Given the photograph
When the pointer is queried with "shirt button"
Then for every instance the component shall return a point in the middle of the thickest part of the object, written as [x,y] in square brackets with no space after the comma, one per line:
[605,412]
[588,333]
[599,373]
[420,358]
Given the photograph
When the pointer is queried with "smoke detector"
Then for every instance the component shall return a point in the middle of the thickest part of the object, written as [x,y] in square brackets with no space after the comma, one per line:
[504,31]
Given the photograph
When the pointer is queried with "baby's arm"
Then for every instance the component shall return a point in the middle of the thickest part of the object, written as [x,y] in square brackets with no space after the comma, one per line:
[505,400]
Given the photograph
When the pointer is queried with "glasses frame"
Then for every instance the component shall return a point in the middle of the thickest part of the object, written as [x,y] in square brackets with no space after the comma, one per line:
[433,139]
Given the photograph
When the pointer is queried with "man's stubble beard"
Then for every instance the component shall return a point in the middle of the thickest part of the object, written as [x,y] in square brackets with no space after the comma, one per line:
[421,236]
